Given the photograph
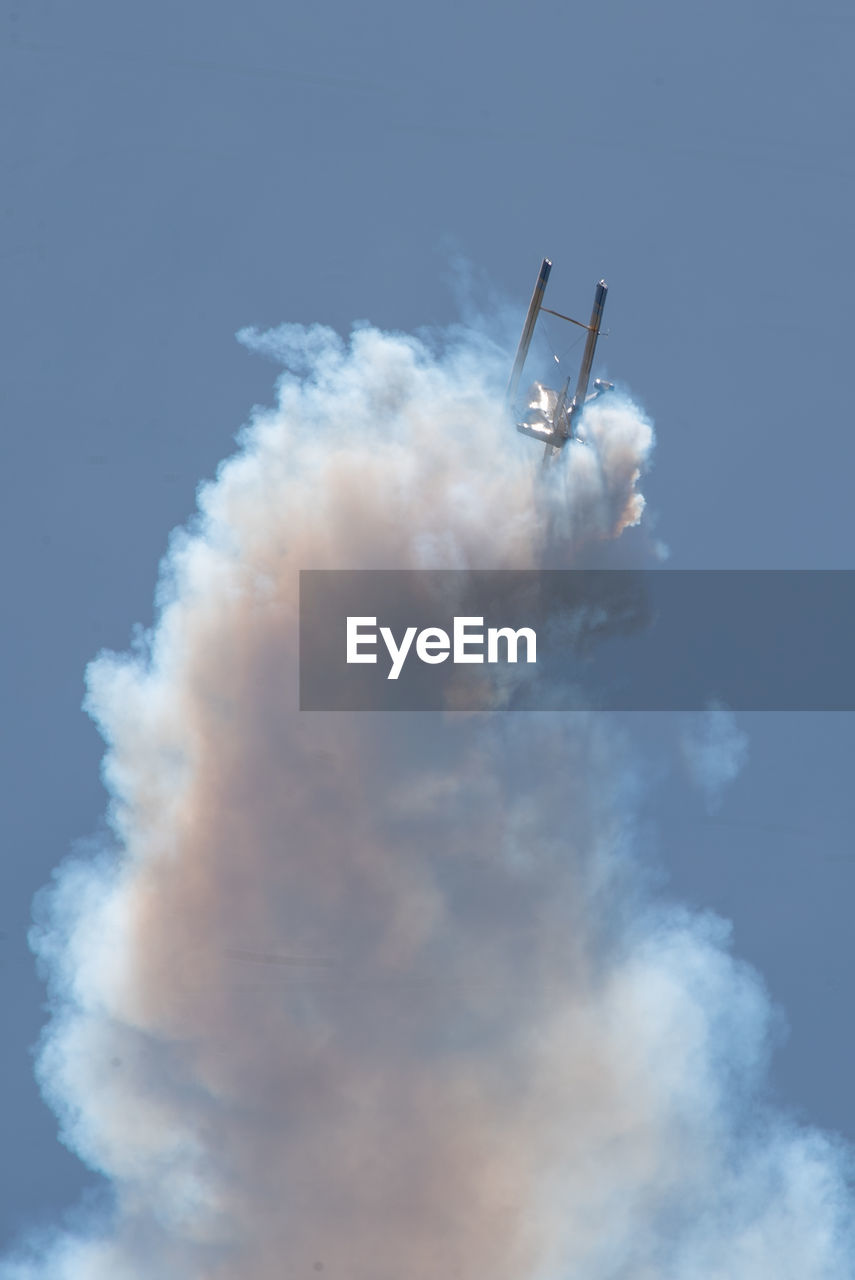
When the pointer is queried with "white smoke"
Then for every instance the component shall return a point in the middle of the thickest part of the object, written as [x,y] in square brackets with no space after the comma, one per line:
[715,750]
[381,996]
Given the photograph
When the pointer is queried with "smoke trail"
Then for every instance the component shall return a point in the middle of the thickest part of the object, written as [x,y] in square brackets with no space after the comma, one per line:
[384,996]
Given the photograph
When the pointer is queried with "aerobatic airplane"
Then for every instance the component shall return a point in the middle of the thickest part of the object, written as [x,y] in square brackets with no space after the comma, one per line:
[549,416]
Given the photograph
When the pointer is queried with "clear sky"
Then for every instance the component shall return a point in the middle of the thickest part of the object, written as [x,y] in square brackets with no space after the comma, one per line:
[176,171]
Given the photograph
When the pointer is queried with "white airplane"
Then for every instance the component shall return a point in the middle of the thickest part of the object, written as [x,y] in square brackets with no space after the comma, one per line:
[549,416]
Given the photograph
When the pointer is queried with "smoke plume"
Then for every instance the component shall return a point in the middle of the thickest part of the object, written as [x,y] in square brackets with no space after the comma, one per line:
[385,997]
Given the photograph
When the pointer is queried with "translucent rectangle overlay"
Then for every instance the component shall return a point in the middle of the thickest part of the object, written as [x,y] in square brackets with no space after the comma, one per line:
[628,640]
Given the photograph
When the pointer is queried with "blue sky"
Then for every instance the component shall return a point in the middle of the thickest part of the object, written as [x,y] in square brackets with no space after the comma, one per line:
[177,171]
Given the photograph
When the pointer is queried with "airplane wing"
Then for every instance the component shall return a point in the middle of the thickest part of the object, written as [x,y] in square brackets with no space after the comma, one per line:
[528,329]
[588,354]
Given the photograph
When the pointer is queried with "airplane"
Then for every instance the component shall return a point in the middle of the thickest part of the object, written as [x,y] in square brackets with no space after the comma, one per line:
[550,417]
